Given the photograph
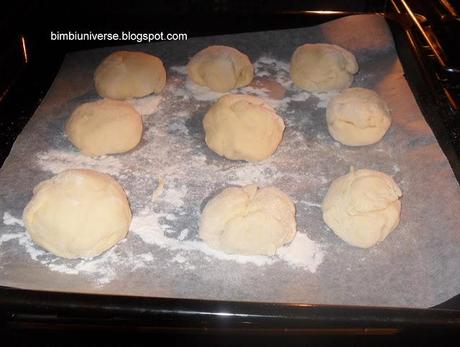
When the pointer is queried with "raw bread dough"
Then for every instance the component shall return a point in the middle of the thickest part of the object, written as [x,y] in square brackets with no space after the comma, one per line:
[220,68]
[124,74]
[104,127]
[243,127]
[322,67]
[247,220]
[362,207]
[358,117]
[78,214]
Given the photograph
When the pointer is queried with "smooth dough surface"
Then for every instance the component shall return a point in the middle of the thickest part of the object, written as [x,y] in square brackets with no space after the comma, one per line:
[248,220]
[125,74]
[79,213]
[104,127]
[322,67]
[242,127]
[362,207]
[220,68]
[358,117]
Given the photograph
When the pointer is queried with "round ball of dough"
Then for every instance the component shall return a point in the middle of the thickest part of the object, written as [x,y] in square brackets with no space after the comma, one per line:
[247,220]
[362,207]
[243,127]
[322,67]
[220,68]
[123,75]
[358,117]
[104,127]
[78,214]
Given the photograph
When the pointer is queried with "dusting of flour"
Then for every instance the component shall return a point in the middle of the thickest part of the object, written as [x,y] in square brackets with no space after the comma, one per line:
[147,105]
[170,176]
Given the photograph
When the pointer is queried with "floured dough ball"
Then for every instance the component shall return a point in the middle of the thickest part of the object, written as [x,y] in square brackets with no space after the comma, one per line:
[104,127]
[247,220]
[362,207]
[358,117]
[243,127]
[220,68]
[322,67]
[124,74]
[78,214]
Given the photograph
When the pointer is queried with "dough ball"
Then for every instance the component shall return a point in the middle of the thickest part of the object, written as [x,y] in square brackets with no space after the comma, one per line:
[362,207]
[243,127]
[220,68]
[247,220]
[123,75]
[104,127]
[358,117]
[78,214]
[322,67]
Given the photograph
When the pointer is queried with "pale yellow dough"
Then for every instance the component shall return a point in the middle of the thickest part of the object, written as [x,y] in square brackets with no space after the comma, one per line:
[358,117]
[220,68]
[104,127]
[362,207]
[78,214]
[248,220]
[125,74]
[243,127]
[322,67]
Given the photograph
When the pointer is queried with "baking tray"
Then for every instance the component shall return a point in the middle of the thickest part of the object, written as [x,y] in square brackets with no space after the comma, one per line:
[232,307]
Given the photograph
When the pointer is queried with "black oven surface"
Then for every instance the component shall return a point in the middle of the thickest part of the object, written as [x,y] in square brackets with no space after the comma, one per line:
[29,64]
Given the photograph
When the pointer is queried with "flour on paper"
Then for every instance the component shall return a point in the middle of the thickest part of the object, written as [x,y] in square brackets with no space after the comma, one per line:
[169,175]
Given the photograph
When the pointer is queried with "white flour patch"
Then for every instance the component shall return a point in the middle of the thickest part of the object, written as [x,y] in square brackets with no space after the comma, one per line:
[56,161]
[179,259]
[8,237]
[174,195]
[146,225]
[103,269]
[265,66]
[302,252]
[146,105]
[302,96]
[33,251]
[311,204]
[150,230]
[201,93]
[8,219]
[262,93]
[182,114]
[253,173]
[183,234]
[324,98]
[171,152]
[279,70]
[179,69]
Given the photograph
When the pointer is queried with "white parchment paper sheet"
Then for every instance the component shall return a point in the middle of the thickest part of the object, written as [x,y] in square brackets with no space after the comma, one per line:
[416,266]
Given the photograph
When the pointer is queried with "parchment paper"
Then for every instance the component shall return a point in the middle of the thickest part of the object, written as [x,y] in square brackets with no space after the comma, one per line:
[416,266]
